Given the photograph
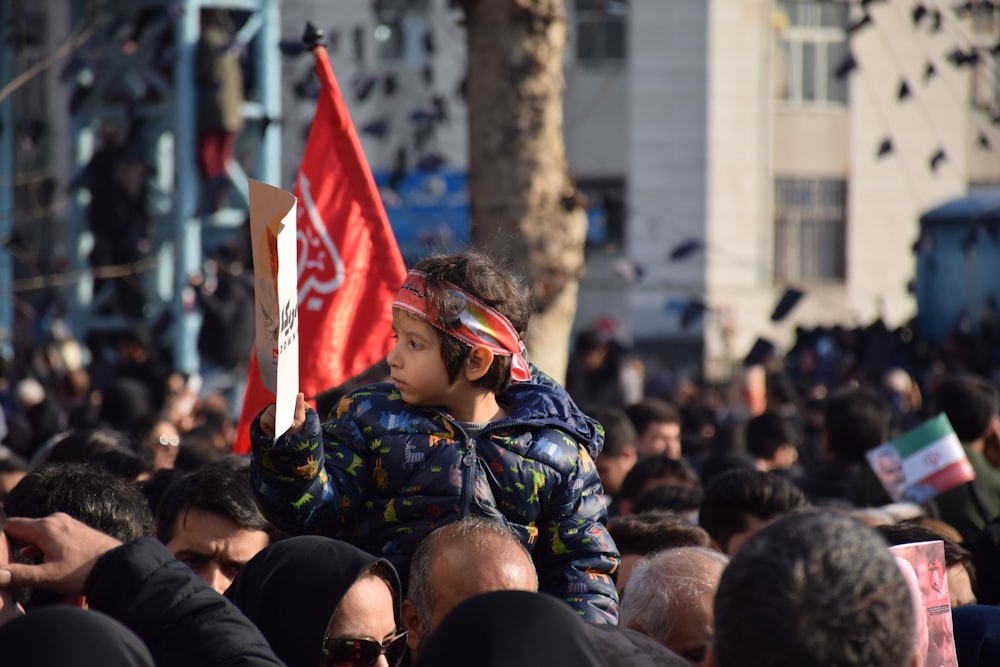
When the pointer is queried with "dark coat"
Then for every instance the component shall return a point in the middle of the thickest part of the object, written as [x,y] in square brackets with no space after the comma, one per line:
[179,617]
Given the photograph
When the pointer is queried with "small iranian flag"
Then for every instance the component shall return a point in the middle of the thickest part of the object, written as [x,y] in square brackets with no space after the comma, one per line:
[922,463]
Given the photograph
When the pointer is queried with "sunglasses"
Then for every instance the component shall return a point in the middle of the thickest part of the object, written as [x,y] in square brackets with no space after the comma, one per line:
[363,651]
[169,440]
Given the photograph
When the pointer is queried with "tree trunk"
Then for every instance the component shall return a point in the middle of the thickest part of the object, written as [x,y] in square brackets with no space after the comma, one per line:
[524,205]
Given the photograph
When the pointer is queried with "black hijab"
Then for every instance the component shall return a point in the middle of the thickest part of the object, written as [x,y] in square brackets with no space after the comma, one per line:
[511,629]
[70,637]
[291,589]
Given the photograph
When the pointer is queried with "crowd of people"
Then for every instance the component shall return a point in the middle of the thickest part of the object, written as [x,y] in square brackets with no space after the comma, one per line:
[472,510]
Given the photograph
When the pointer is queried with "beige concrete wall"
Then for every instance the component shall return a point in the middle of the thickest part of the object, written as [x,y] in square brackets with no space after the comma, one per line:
[738,203]
[886,196]
[667,174]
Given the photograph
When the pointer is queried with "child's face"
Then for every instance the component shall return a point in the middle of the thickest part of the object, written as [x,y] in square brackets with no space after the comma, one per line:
[415,363]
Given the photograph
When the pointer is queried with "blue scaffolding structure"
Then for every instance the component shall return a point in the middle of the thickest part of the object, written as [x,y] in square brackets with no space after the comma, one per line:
[179,235]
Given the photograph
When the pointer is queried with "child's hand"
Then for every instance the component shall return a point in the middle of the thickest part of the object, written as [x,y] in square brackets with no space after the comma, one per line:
[267,417]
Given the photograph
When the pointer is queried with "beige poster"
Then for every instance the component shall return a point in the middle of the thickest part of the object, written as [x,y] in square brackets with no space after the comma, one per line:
[275,264]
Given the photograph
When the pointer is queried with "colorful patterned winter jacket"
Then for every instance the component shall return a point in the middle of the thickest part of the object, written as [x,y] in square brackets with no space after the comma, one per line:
[383,474]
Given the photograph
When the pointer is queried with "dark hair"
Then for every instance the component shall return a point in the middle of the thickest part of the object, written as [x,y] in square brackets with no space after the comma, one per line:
[831,586]
[652,410]
[768,431]
[908,532]
[218,488]
[654,531]
[618,429]
[491,282]
[970,403]
[855,419]
[653,467]
[740,493]
[108,448]
[669,497]
[87,492]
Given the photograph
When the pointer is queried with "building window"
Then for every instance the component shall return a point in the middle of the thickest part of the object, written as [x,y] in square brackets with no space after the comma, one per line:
[401,30]
[810,230]
[812,43]
[601,26]
[605,210]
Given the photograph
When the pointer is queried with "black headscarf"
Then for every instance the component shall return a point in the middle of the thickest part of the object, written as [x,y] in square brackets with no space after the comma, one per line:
[511,629]
[70,637]
[291,589]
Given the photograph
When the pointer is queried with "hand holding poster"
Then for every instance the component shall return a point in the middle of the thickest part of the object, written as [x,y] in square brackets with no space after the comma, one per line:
[273,231]
[921,463]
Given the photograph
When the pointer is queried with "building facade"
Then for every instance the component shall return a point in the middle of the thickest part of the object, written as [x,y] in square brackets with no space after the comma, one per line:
[722,126]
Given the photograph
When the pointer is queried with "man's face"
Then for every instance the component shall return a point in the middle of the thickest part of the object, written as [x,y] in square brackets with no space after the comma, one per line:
[753,524]
[660,438]
[612,470]
[693,631]
[214,547]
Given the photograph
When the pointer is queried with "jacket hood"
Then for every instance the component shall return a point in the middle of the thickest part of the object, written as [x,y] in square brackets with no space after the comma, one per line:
[291,589]
[544,401]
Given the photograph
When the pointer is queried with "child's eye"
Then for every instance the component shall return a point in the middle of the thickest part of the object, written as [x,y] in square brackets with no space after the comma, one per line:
[414,345]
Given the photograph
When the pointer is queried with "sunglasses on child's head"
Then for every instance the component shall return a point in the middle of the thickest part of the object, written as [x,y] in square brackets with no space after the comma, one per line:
[363,651]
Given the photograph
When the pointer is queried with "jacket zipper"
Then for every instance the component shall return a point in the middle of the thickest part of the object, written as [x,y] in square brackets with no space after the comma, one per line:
[469,458]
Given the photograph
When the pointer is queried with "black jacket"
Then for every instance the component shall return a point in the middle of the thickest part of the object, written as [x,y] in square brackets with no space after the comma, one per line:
[179,617]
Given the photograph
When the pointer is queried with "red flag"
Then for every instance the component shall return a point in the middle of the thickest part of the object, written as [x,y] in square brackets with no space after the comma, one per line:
[349,264]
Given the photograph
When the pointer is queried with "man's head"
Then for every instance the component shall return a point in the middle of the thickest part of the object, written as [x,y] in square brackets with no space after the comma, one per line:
[739,502]
[654,471]
[658,425]
[209,520]
[828,583]
[456,562]
[889,469]
[87,492]
[619,453]
[773,440]
[971,404]
[669,598]
[639,535]
[855,419]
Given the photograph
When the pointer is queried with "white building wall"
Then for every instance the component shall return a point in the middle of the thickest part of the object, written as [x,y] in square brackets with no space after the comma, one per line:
[887,196]
[666,186]
[447,63]
[738,219]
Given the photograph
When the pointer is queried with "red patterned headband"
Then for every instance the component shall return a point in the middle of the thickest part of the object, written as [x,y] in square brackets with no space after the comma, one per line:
[478,324]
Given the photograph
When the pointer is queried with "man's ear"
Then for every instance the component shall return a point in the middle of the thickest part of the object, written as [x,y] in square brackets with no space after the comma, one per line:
[411,622]
[477,362]
[629,453]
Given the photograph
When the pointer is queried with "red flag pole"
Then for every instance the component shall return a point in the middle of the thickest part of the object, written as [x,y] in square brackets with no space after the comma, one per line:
[349,264]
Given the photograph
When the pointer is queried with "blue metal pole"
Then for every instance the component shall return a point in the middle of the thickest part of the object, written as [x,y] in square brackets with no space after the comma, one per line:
[187,227]
[7,190]
[269,59]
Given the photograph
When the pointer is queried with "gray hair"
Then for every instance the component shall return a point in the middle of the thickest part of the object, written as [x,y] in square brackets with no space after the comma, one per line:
[666,583]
